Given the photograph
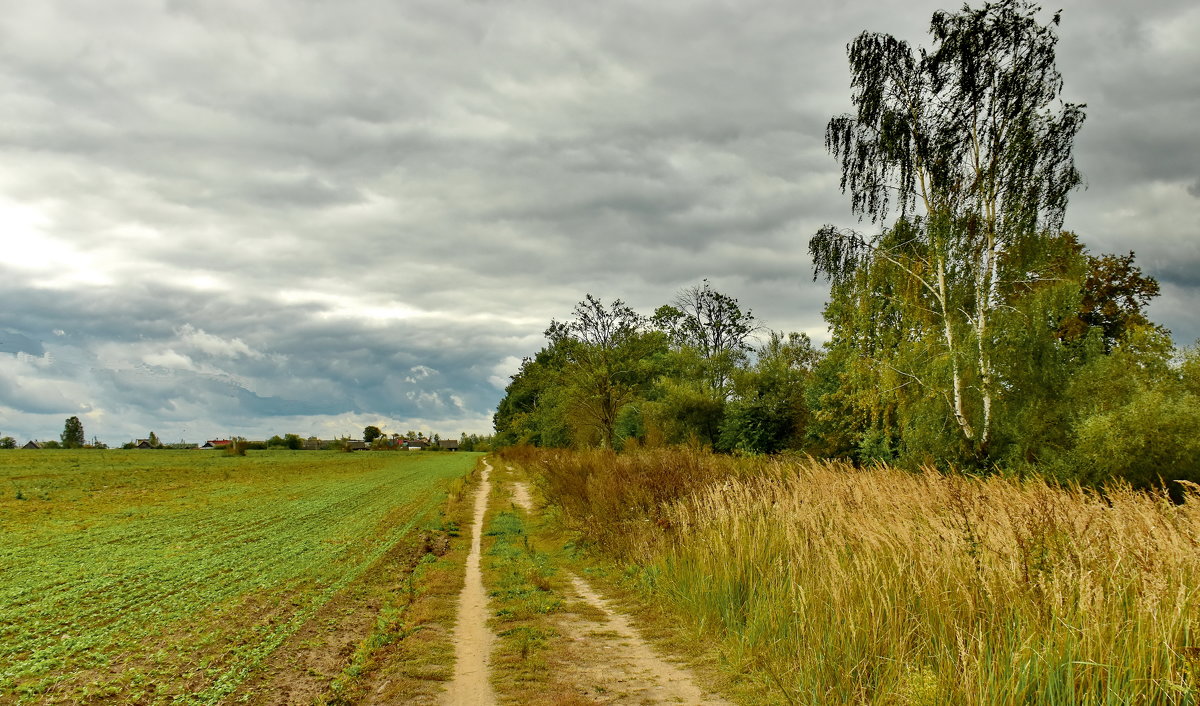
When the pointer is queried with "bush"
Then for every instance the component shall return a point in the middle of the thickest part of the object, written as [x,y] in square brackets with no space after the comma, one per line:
[1151,439]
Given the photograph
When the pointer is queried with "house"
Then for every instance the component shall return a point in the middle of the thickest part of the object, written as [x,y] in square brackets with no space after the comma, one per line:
[357,445]
[448,444]
[215,444]
[142,444]
[415,444]
[32,445]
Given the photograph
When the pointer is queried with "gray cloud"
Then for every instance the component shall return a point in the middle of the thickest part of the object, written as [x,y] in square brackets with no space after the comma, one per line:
[243,216]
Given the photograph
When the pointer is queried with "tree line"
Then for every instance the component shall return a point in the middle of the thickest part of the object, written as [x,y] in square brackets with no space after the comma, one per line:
[967,329]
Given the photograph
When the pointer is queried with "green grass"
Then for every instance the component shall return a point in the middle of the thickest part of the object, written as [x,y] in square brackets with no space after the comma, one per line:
[123,570]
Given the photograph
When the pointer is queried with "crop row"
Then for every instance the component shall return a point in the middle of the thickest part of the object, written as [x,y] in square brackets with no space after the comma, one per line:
[101,594]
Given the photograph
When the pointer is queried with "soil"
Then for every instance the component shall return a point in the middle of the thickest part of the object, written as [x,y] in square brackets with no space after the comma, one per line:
[472,639]
[610,662]
[301,670]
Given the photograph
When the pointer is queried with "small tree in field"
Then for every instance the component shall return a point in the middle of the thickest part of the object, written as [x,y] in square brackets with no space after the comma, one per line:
[72,434]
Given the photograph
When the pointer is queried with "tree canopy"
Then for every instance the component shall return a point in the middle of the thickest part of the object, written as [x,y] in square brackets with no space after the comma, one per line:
[965,142]
[72,434]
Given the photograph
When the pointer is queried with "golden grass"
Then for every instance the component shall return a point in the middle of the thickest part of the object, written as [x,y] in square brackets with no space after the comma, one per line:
[831,584]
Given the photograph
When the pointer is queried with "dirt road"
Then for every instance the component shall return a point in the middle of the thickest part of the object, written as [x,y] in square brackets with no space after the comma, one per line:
[472,638]
[603,659]
[615,665]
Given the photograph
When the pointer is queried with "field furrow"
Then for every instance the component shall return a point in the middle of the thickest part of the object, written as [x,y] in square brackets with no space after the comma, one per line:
[167,558]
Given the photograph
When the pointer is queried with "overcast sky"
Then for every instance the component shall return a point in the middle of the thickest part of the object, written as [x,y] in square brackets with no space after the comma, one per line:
[257,217]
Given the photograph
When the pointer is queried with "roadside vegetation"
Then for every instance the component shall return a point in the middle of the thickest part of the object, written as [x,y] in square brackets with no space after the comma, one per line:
[968,331]
[135,577]
[825,583]
[980,490]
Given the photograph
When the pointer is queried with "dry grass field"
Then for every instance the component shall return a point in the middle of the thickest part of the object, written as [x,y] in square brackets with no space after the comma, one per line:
[824,583]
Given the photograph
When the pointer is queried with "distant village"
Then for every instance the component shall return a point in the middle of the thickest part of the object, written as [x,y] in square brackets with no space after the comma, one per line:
[373,439]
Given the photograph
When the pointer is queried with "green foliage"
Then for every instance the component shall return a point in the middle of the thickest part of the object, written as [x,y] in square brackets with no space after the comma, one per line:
[475,442]
[964,141]
[371,433]
[610,377]
[769,412]
[237,446]
[532,410]
[72,434]
[1150,439]
[608,357]
[7,442]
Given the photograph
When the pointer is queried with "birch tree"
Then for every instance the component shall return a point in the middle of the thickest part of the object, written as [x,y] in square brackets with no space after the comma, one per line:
[970,145]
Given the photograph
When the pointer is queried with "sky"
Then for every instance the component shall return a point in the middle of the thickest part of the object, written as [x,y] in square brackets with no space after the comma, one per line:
[257,217]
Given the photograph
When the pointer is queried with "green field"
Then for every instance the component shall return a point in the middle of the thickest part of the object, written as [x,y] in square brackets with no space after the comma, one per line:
[173,575]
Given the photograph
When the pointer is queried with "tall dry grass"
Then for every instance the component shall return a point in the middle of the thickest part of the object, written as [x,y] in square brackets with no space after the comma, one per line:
[844,585]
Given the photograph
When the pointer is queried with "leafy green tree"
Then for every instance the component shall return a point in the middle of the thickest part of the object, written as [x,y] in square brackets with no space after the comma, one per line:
[153,439]
[607,351]
[371,433]
[714,325]
[293,441]
[1148,440]
[1189,370]
[532,410]
[72,434]
[7,442]
[965,143]
[769,412]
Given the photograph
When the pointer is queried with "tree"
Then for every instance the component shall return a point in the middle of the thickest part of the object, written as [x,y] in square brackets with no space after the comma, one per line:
[606,348]
[153,439]
[963,143]
[714,325]
[371,433]
[1115,293]
[769,412]
[531,411]
[72,434]
[7,442]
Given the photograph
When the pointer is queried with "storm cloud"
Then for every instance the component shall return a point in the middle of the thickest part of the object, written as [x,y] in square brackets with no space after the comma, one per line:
[266,217]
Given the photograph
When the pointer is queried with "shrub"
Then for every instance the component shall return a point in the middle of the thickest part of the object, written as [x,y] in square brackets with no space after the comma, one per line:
[1151,439]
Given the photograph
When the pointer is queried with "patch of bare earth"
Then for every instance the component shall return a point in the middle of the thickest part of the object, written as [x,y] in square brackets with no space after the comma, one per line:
[302,669]
[609,663]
